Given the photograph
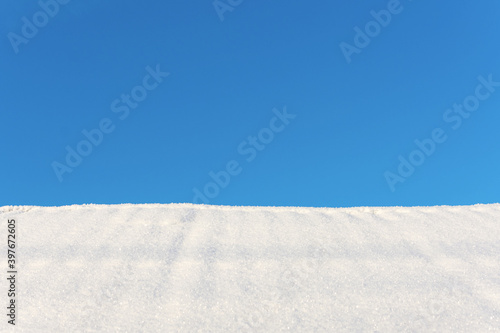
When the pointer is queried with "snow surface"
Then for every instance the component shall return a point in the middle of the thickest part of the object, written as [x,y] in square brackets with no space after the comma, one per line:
[197,268]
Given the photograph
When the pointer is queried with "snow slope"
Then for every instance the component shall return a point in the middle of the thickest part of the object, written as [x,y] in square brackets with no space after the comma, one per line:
[196,268]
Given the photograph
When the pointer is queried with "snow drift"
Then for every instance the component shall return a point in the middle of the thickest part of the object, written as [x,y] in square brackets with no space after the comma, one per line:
[189,268]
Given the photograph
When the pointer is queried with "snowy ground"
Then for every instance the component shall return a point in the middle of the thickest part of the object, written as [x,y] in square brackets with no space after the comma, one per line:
[195,268]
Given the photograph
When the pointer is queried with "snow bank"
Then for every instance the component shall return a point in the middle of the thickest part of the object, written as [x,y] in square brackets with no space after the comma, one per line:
[190,268]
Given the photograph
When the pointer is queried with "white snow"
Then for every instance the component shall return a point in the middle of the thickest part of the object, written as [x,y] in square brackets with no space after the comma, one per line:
[197,268]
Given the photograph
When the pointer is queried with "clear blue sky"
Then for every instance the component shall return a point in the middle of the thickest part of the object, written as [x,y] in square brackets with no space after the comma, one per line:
[228,80]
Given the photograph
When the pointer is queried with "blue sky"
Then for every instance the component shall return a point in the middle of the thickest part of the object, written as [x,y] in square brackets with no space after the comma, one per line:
[261,104]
